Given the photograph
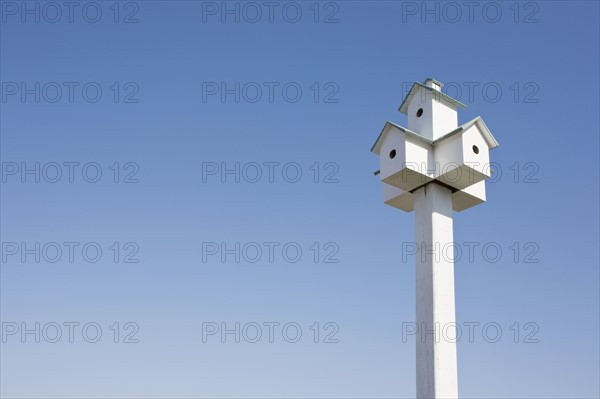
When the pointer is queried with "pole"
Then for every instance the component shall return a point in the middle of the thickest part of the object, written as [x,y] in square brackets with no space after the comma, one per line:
[435,314]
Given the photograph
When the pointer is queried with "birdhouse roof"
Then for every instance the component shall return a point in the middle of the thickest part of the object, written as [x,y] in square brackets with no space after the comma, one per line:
[487,135]
[439,94]
[386,129]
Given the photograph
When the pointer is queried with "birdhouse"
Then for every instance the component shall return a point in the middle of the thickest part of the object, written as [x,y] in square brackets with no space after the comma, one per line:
[404,157]
[434,149]
[462,157]
[431,113]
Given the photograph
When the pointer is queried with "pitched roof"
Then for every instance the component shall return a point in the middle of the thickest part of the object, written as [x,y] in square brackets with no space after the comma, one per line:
[384,132]
[487,135]
[404,106]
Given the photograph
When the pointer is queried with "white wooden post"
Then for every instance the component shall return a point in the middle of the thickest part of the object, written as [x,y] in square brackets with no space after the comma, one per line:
[437,375]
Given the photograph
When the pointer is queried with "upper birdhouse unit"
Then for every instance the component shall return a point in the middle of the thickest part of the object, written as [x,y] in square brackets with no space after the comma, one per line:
[430,112]
[434,148]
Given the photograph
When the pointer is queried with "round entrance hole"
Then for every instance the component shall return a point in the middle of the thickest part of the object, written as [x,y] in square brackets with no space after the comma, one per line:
[476,149]
[419,112]
[392,154]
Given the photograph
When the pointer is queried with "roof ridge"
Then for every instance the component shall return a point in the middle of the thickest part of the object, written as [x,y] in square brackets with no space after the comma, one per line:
[440,93]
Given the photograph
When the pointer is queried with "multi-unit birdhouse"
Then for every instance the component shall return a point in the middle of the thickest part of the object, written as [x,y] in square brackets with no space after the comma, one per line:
[434,148]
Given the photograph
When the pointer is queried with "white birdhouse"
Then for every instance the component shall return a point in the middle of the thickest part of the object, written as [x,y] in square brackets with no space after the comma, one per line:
[404,158]
[434,148]
[431,113]
[462,157]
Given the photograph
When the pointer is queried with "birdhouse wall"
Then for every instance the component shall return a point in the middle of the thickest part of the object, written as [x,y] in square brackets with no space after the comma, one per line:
[419,156]
[463,159]
[476,151]
[395,141]
[422,124]
[437,117]
[409,168]
[448,154]
[445,118]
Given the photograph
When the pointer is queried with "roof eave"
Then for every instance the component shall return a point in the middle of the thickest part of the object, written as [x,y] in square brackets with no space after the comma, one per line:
[375,148]
[487,134]
[382,134]
[404,106]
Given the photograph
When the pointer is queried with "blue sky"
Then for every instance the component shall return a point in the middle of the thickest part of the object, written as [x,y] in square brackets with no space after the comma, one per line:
[180,104]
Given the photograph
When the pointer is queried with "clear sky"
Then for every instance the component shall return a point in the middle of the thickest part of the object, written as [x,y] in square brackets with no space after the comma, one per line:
[242,130]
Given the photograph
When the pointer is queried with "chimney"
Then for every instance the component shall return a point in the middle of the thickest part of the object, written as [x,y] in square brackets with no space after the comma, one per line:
[434,84]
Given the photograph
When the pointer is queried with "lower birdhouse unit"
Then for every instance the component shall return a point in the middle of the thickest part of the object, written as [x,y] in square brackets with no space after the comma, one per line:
[397,198]
[468,197]
[461,199]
